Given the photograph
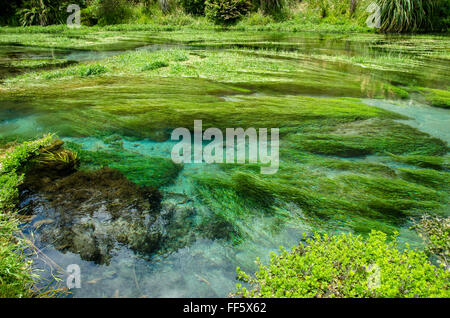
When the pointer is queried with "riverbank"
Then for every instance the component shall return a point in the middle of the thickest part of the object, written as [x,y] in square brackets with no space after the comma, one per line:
[17,276]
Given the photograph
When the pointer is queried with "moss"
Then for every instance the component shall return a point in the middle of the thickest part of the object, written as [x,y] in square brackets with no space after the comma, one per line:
[361,202]
[350,166]
[257,72]
[124,109]
[327,146]
[433,97]
[396,91]
[438,98]
[79,70]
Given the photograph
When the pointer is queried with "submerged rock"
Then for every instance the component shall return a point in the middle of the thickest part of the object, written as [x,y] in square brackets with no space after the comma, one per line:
[93,211]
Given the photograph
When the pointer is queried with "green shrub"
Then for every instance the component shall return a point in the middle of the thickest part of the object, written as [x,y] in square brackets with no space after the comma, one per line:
[108,12]
[326,8]
[257,19]
[226,12]
[195,7]
[347,266]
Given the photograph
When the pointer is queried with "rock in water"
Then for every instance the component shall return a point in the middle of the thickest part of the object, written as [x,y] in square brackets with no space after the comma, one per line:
[95,210]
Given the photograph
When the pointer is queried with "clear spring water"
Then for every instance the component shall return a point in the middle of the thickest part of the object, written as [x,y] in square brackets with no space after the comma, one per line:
[205,267]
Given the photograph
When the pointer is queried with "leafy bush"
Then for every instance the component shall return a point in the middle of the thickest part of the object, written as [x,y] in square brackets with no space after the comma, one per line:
[347,266]
[195,7]
[226,12]
[111,11]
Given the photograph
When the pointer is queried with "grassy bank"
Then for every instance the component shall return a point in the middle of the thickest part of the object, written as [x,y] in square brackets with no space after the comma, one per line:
[17,277]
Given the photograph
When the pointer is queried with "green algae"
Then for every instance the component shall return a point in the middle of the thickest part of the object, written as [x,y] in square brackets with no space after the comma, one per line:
[373,136]
[140,169]
[438,98]
[227,66]
[32,64]
[326,179]
[360,202]
[348,195]
[439,180]
[432,162]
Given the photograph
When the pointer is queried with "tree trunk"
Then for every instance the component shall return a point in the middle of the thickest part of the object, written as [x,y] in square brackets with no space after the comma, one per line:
[353,4]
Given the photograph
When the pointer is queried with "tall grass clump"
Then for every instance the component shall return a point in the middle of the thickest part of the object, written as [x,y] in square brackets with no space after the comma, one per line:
[401,16]
[43,12]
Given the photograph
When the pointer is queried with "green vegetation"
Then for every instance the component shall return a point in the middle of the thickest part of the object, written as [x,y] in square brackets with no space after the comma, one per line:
[345,165]
[226,12]
[432,162]
[140,169]
[195,7]
[405,15]
[16,278]
[16,275]
[438,98]
[397,16]
[347,266]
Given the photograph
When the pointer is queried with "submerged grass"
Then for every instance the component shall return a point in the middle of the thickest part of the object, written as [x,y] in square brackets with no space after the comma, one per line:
[236,82]
[432,162]
[142,170]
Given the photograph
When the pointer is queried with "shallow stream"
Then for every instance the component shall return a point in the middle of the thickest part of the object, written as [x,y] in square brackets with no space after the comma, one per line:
[131,118]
